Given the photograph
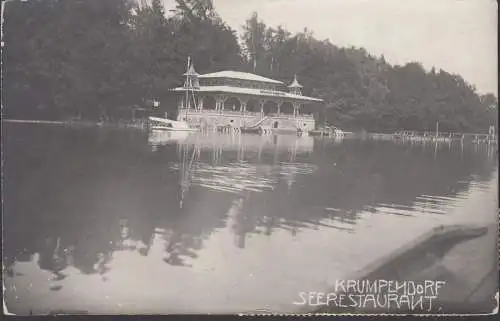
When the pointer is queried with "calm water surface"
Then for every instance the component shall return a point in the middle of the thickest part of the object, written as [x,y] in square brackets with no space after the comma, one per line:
[112,221]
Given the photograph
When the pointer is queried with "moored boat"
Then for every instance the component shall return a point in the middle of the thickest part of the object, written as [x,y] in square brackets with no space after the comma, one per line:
[327,131]
[424,259]
[165,124]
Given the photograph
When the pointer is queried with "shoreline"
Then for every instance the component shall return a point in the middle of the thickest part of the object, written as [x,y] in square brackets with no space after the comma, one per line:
[79,123]
[144,125]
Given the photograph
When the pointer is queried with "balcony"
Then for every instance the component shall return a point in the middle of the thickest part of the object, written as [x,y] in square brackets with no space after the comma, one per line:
[248,113]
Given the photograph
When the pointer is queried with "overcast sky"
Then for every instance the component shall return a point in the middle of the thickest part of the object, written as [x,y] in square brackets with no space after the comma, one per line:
[459,36]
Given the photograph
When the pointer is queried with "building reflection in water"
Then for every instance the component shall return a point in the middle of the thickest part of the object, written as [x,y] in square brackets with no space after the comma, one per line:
[235,165]
[245,174]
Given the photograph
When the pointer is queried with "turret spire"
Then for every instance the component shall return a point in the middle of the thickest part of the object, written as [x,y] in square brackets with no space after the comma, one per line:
[191,76]
[295,86]
[295,83]
[190,69]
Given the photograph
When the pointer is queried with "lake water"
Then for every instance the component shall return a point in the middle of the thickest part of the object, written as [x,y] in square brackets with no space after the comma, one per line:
[122,221]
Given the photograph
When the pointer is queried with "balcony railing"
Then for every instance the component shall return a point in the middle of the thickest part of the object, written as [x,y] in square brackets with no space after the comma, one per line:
[247,113]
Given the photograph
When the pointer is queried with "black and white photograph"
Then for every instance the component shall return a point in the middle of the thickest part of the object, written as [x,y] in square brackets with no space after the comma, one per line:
[242,157]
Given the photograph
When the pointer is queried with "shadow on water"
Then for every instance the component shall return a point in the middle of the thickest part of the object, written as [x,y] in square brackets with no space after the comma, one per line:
[73,197]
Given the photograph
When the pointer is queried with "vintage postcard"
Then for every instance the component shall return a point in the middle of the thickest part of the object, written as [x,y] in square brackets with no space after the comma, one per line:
[249,157]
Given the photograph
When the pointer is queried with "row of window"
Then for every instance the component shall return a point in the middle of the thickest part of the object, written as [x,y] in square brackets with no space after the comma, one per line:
[237,83]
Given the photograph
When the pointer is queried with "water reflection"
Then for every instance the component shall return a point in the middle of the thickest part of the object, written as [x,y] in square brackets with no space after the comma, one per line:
[77,198]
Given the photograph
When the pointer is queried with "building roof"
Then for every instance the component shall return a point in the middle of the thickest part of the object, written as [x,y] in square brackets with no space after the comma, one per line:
[240,75]
[251,92]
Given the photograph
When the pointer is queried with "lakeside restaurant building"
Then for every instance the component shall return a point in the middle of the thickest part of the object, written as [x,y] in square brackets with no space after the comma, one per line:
[238,100]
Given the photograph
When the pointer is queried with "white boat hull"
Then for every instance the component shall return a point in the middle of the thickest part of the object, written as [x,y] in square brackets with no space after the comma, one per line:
[170,129]
[164,124]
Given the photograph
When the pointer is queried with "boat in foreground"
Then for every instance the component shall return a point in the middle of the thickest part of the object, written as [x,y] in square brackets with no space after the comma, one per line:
[424,260]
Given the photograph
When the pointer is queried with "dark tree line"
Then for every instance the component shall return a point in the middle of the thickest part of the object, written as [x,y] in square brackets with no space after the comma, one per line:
[363,91]
[94,59]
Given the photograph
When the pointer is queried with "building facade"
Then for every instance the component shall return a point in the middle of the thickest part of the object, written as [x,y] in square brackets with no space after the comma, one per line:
[234,100]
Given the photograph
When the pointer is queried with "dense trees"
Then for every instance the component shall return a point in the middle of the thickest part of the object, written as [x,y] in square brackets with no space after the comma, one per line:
[65,57]
[94,59]
[365,92]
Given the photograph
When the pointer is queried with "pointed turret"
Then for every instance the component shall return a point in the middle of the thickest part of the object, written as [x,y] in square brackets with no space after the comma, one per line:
[295,87]
[191,76]
[190,69]
[295,83]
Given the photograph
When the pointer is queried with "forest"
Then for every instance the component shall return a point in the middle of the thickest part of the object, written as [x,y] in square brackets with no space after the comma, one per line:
[97,60]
